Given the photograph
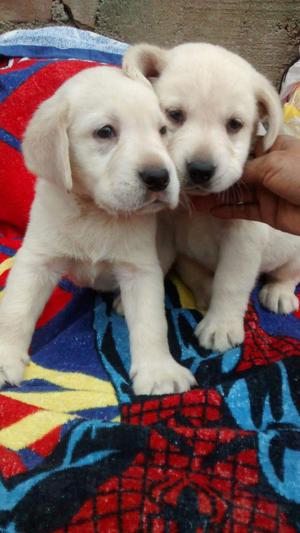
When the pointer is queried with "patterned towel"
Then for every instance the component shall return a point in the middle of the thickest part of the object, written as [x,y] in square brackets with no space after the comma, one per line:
[78,451]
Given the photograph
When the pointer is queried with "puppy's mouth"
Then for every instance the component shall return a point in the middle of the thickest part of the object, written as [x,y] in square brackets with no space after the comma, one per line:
[196,190]
[193,189]
[151,203]
[154,202]
[214,186]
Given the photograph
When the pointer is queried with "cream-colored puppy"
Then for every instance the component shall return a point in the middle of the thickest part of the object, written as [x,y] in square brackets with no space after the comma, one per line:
[214,100]
[98,149]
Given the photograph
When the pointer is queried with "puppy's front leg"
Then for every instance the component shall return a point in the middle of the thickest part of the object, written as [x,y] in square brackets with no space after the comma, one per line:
[29,286]
[239,262]
[153,369]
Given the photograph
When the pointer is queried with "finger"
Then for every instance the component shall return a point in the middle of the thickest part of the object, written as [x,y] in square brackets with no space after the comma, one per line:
[281,143]
[204,203]
[277,213]
[272,164]
[256,169]
[259,147]
[249,211]
[285,142]
[262,208]
[277,172]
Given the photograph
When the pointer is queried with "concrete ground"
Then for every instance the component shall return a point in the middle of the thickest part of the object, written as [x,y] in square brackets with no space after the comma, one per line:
[267,33]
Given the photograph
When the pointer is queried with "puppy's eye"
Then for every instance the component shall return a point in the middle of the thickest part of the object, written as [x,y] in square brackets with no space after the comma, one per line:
[163,130]
[107,132]
[176,115]
[234,125]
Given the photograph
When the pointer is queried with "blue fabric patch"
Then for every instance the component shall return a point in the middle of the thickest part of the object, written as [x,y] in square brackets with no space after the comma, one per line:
[276,324]
[13,80]
[7,250]
[10,139]
[57,53]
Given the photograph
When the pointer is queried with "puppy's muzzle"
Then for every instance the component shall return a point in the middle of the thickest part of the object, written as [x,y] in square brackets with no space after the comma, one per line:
[155,179]
[200,173]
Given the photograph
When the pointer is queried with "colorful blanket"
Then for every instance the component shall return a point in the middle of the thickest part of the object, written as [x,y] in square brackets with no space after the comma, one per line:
[78,451]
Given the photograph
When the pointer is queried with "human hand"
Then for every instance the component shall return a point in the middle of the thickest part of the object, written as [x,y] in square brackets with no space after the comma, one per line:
[274,188]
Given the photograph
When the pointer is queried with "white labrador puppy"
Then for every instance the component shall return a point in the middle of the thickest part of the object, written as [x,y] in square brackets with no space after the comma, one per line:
[214,100]
[98,149]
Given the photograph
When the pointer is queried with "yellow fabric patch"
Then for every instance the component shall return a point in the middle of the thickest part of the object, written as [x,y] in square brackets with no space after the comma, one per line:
[186,297]
[290,112]
[64,401]
[6,265]
[31,428]
[69,380]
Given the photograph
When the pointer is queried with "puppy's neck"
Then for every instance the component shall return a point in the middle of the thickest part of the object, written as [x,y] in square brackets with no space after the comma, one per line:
[86,207]
[84,202]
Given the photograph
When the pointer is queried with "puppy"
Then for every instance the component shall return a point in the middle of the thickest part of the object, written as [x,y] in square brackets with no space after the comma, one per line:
[213,100]
[98,149]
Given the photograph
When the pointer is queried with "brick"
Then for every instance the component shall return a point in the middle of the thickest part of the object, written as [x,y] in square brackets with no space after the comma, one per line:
[84,12]
[14,10]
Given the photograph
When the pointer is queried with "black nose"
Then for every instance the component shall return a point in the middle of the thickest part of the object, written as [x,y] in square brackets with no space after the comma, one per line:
[200,172]
[155,179]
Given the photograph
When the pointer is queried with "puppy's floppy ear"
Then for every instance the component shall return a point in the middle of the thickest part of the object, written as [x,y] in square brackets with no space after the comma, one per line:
[269,106]
[144,61]
[46,145]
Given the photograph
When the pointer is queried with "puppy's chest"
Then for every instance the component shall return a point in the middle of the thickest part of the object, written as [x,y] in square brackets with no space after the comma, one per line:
[95,243]
[198,236]
[97,240]
[99,276]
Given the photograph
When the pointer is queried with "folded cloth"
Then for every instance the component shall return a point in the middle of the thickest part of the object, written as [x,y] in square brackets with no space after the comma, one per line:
[61,42]
[290,96]
[78,451]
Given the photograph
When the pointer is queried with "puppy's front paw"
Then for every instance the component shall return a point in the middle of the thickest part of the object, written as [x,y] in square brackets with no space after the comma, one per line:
[12,365]
[161,377]
[278,298]
[220,334]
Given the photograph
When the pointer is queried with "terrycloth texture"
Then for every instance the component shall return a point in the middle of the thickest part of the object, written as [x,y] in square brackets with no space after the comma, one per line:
[80,453]
[62,42]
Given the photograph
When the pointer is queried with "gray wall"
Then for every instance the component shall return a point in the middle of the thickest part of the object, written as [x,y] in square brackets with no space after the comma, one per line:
[267,33]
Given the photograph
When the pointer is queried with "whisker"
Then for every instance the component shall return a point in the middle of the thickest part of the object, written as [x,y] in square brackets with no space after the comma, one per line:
[185,201]
[239,192]
[248,190]
[227,196]
[234,195]
[220,197]
[245,185]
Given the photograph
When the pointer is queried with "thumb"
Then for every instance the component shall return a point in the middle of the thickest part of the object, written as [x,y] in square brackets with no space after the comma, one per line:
[246,211]
[256,169]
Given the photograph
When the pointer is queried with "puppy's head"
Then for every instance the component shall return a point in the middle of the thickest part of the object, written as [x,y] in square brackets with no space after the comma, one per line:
[213,100]
[102,135]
